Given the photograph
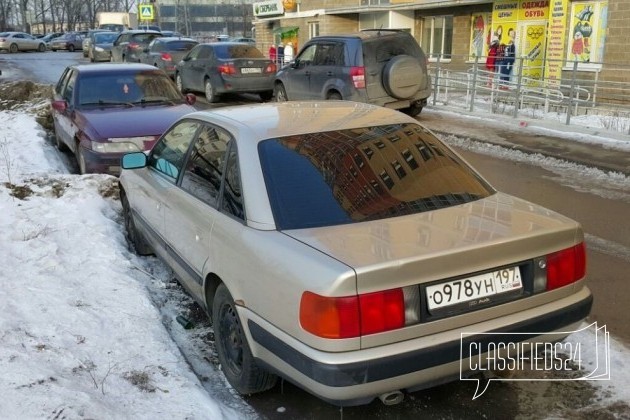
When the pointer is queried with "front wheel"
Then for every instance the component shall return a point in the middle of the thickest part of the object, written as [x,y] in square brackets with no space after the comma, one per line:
[237,362]
[281,93]
[136,240]
[13,48]
[334,96]
[71,48]
[41,48]
[179,83]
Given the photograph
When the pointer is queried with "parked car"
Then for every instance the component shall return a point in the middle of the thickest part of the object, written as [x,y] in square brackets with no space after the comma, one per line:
[20,41]
[101,111]
[344,247]
[70,41]
[165,52]
[49,37]
[380,67]
[172,34]
[87,40]
[244,39]
[101,46]
[129,45]
[226,67]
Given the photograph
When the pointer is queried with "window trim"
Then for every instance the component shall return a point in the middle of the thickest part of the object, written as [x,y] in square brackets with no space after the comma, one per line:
[429,52]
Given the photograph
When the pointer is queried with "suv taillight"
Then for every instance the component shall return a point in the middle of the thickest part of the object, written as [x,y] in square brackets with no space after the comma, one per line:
[358,77]
[166,56]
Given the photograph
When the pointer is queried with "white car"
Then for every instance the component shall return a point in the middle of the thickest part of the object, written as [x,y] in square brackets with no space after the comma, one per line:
[20,41]
[344,247]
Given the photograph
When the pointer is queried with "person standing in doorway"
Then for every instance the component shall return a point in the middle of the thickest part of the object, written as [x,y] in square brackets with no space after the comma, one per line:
[491,60]
[288,52]
[272,53]
[280,53]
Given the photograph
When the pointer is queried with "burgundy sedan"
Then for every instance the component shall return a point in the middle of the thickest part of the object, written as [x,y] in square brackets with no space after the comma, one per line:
[102,111]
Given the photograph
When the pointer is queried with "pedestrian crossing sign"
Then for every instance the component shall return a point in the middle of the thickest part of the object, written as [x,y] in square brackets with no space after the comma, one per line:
[146,11]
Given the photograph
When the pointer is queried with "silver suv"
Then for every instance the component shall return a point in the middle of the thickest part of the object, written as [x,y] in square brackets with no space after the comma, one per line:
[380,67]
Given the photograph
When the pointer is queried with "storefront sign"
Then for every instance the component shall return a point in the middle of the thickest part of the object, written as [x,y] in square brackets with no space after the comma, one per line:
[268,8]
[538,10]
[556,37]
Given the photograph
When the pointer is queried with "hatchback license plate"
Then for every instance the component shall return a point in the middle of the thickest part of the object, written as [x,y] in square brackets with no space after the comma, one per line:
[473,288]
[250,70]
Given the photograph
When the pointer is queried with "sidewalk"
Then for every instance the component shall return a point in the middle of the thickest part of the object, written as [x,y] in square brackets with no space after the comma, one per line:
[602,149]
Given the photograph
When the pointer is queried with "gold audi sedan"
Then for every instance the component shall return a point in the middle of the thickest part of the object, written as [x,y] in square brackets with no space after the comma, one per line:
[345,248]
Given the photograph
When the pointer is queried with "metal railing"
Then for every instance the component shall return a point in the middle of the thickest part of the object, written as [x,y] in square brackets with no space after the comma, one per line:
[598,91]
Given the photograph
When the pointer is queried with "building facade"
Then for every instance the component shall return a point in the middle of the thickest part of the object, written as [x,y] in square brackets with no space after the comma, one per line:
[551,38]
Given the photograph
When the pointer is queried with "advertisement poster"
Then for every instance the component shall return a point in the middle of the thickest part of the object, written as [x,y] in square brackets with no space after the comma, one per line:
[533,51]
[556,41]
[480,35]
[504,18]
[581,31]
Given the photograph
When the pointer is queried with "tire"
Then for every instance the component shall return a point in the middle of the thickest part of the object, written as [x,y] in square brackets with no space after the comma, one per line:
[78,154]
[237,362]
[266,95]
[61,146]
[41,48]
[403,76]
[54,49]
[13,48]
[334,96]
[280,93]
[71,48]
[137,243]
[211,95]
[179,83]
[414,110]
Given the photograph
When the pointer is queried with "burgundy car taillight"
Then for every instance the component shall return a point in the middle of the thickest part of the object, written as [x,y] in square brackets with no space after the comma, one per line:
[358,77]
[166,57]
[227,68]
[271,68]
[566,266]
[354,316]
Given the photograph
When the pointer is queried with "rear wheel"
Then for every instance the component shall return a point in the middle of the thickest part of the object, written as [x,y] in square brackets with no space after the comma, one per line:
[71,48]
[211,95]
[13,48]
[136,240]
[237,362]
[281,93]
[334,96]
[41,48]
[414,110]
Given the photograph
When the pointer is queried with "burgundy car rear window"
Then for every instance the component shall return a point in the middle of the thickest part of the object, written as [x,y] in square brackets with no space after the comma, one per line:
[349,176]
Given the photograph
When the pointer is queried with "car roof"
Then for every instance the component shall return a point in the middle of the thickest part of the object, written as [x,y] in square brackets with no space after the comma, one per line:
[367,34]
[277,119]
[141,31]
[175,38]
[96,68]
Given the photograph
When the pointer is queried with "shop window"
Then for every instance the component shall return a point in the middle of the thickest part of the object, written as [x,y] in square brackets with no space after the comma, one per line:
[313,29]
[587,33]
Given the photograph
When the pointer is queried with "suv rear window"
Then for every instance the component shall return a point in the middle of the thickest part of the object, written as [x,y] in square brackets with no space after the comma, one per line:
[383,50]
[371,173]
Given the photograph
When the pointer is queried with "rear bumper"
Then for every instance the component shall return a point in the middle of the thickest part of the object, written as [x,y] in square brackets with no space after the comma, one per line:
[345,379]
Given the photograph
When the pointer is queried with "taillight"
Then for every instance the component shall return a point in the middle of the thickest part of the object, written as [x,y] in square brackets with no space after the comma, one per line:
[271,68]
[358,77]
[166,57]
[134,45]
[354,316]
[566,266]
[227,69]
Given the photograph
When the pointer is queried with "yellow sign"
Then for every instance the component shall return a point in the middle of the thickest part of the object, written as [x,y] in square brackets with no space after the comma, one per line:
[534,9]
[556,41]
[145,11]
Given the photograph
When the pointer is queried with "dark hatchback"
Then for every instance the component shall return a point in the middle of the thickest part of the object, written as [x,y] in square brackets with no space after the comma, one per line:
[226,67]
[129,45]
[102,111]
[165,52]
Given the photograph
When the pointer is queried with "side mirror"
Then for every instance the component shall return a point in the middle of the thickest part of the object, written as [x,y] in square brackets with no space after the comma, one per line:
[60,105]
[191,99]
[134,160]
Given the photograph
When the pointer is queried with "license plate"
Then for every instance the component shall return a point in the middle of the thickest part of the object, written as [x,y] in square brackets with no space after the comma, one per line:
[474,288]
[250,70]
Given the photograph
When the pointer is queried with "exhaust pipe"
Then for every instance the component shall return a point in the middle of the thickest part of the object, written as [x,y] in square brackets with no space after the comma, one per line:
[391,398]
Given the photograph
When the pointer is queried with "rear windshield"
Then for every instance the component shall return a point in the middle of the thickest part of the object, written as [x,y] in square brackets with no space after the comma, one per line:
[144,38]
[371,173]
[105,37]
[180,45]
[383,49]
[226,51]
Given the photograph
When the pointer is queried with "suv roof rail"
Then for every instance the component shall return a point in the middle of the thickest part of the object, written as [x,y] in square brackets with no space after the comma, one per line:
[379,30]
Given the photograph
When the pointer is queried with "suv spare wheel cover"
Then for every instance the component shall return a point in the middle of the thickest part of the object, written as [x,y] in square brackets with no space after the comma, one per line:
[402,76]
